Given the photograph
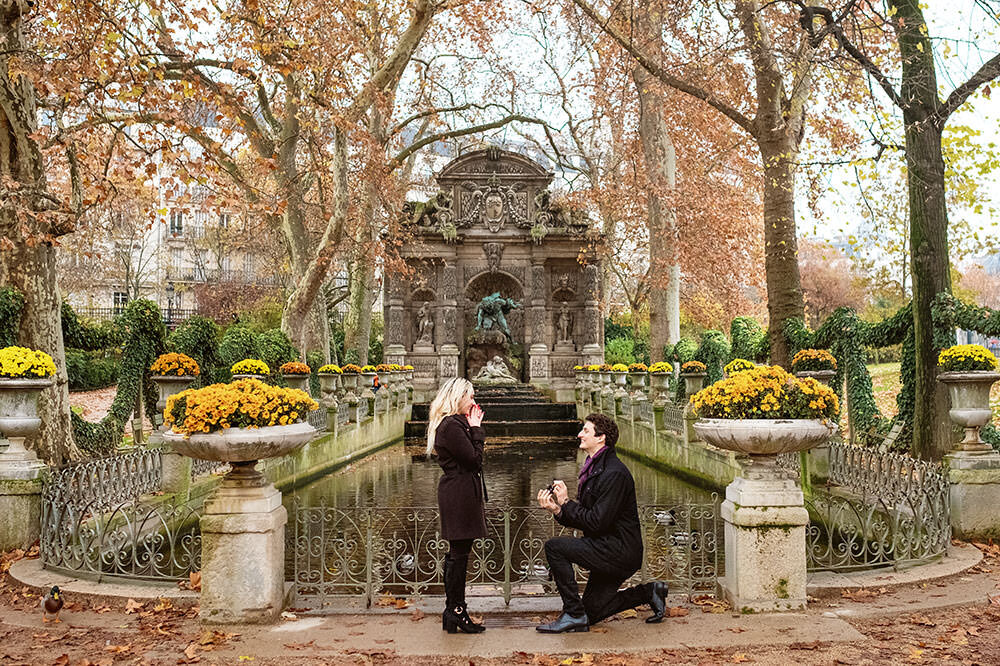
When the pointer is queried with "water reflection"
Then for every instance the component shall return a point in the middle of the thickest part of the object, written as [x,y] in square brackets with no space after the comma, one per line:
[400,476]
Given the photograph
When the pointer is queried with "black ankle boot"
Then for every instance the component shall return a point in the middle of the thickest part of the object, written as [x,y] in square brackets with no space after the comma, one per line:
[456,618]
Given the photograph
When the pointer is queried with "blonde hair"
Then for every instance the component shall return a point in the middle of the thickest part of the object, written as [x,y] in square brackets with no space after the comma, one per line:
[445,403]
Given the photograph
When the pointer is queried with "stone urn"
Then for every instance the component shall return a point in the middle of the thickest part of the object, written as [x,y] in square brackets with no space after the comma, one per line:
[166,386]
[619,378]
[824,376]
[328,385]
[637,381]
[243,524]
[693,382]
[349,382]
[366,382]
[659,387]
[764,513]
[297,381]
[248,376]
[18,421]
[970,404]
[764,439]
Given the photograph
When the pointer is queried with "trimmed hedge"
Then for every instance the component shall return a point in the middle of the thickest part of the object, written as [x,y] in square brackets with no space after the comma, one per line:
[90,370]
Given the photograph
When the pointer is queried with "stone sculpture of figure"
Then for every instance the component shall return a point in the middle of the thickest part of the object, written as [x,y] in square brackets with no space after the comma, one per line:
[495,371]
[564,324]
[491,313]
[425,324]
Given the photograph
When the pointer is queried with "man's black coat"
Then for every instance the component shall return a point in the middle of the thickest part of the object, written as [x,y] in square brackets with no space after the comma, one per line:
[605,510]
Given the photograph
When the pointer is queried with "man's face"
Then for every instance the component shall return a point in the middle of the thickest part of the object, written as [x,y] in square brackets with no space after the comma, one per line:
[590,441]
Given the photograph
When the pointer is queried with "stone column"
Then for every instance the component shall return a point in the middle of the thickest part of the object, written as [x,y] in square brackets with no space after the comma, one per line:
[593,345]
[538,352]
[449,331]
[974,480]
[765,531]
[21,477]
[395,351]
[243,554]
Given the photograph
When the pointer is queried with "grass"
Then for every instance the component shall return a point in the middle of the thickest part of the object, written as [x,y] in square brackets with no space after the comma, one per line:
[886,383]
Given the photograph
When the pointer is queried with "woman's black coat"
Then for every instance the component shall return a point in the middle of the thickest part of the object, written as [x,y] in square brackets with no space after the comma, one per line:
[461,492]
[605,510]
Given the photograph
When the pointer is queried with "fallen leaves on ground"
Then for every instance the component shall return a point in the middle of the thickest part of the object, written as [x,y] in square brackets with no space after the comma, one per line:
[862,594]
[132,606]
[389,601]
[710,604]
[417,615]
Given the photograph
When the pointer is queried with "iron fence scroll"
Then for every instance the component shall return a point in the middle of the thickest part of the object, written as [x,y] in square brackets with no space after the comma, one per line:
[367,552]
[103,519]
[879,509]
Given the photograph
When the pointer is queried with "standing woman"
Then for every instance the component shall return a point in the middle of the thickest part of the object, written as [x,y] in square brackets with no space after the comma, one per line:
[455,432]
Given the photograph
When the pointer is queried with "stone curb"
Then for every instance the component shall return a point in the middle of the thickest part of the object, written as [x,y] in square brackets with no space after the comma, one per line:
[959,558]
[30,573]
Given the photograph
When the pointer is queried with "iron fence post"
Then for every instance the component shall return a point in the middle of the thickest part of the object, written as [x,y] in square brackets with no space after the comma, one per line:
[507,557]
[369,547]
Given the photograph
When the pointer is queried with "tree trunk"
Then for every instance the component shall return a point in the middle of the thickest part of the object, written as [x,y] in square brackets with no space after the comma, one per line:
[661,170]
[32,271]
[781,262]
[929,264]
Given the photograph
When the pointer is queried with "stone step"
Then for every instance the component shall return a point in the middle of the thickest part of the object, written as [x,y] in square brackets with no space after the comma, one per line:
[526,428]
[534,411]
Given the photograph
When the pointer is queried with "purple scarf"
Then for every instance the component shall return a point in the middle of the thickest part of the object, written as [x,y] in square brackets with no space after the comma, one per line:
[587,464]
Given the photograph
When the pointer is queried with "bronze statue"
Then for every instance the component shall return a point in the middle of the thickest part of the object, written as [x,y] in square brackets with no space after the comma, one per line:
[491,313]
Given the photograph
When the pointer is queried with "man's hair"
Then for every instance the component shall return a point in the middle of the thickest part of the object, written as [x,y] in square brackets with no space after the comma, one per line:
[604,425]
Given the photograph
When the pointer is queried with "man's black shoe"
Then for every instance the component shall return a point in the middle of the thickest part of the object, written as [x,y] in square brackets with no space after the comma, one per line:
[658,602]
[565,622]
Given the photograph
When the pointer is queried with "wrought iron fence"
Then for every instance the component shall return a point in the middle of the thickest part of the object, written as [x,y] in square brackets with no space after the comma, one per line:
[366,552]
[101,519]
[878,509]
[646,411]
[673,417]
[317,419]
[203,467]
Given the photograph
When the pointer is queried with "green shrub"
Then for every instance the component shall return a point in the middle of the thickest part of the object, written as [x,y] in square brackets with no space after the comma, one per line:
[238,342]
[747,336]
[91,370]
[684,351]
[620,350]
[198,337]
[315,360]
[276,349]
[714,351]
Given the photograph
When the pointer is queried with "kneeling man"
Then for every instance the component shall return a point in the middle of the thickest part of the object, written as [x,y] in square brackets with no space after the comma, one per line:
[611,547]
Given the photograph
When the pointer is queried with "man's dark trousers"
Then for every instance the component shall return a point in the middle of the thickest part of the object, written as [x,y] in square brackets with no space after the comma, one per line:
[601,598]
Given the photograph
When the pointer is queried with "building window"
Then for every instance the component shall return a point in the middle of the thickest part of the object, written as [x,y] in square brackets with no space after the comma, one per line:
[176,222]
[224,219]
[120,300]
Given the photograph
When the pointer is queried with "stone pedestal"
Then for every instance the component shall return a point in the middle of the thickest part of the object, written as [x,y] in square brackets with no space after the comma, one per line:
[447,362]
[765,531]
[975,494]
[243,555]
[593,354]
[21,476]
[538,364]
[396,353]
[176,471]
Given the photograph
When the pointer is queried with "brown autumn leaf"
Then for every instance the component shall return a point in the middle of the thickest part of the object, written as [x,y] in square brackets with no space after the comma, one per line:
[61,660]
[677,611]
[417,615]
[804,646]
[300,646]
[131,606]
[191,652]
[162,605]
[118,649]
[923,621]
[737,630]
[194,580]
[739,658]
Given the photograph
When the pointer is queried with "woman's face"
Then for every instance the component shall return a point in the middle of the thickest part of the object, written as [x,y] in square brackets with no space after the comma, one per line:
[465,404]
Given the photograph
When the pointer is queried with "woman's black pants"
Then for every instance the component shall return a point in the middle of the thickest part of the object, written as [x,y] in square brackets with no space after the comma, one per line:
[456,563]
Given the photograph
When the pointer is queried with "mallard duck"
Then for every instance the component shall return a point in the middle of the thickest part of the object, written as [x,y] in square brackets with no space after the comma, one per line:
[52,603]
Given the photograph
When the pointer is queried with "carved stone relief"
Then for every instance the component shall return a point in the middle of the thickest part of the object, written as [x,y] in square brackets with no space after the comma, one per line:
[539,366]
[494,254]
[472,270]
[449,282]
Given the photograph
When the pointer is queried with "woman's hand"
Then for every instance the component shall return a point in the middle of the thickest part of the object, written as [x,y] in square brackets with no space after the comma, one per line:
[475,415]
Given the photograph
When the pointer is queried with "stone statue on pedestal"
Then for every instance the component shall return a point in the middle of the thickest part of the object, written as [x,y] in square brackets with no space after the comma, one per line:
[425,324]
[495,372]
[564,324]
[491,313]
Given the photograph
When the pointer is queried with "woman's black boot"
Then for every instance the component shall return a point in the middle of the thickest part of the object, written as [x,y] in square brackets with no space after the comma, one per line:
[455,616]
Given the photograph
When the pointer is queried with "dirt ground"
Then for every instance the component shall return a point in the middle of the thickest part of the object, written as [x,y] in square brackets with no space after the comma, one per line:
[156,632]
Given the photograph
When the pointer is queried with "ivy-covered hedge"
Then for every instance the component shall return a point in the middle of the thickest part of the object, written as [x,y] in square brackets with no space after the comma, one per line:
[89,336]
[11,305]
[749,339]
[198,337]
[141,327]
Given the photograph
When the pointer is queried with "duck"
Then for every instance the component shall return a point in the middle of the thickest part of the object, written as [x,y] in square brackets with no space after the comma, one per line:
[52,603]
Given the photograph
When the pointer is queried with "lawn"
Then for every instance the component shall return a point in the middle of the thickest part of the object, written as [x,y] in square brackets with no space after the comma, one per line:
[885,386]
